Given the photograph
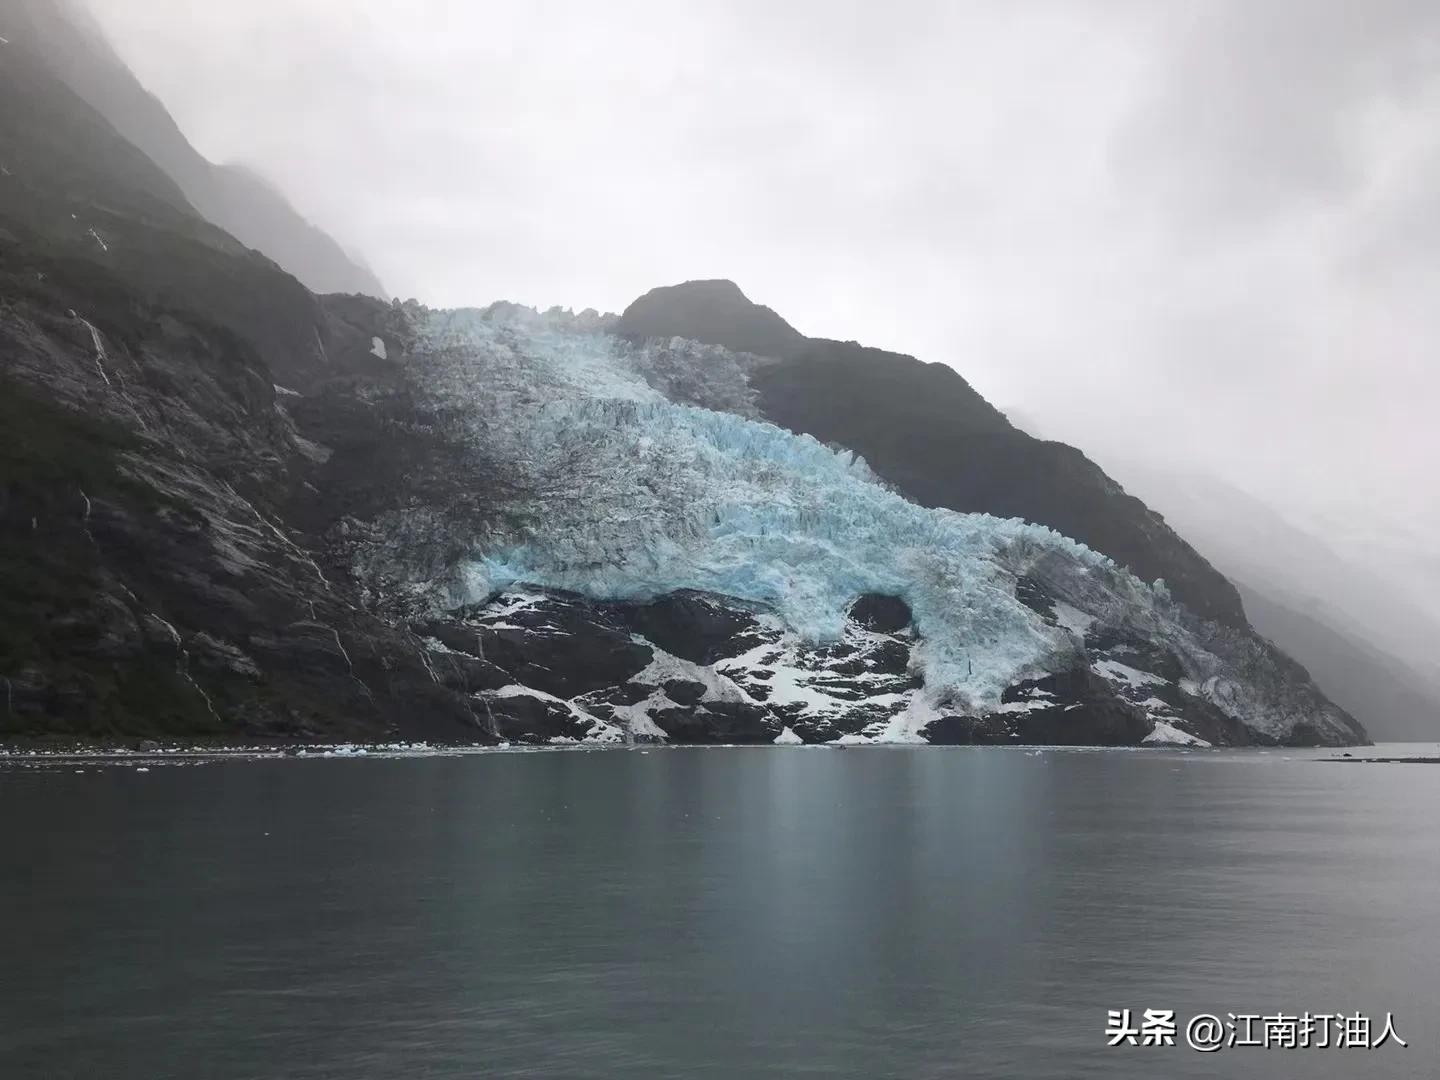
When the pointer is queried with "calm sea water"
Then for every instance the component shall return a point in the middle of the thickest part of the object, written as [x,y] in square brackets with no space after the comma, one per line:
[712,913]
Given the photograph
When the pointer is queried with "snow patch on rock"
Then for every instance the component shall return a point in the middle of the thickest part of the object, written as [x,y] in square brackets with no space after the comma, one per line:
[666,667]
[1073,619]
[1123,673]
[597,730]
[1167,734]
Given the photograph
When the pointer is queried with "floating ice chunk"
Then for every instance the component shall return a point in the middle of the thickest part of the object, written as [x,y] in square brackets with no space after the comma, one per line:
[788,738]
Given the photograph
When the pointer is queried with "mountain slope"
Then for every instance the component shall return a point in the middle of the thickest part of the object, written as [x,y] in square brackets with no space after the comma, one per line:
[1368,645]
[1396,702]
[922,428]
[149,583]
[73,190]
[231,197]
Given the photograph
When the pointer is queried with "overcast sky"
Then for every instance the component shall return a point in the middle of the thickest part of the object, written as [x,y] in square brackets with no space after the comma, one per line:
[1203,234]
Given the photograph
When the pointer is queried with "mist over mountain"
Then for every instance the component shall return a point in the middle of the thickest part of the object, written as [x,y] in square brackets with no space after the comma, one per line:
[231,196]
[1399,702]
[1358,621]
[1367,638]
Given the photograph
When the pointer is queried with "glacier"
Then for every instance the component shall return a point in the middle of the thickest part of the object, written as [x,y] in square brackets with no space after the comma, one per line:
[622,493]
[574,461]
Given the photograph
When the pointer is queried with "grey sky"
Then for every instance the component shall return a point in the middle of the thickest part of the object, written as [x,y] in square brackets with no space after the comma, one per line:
[1203,233]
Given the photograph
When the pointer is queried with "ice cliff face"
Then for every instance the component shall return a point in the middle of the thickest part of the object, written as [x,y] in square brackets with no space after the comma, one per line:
[638,470]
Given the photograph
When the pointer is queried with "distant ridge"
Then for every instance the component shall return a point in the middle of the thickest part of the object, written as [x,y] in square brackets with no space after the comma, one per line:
[232,197]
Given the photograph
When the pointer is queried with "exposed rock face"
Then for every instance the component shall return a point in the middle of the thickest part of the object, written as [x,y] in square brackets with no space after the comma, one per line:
[556,668]
[731,674]
[150,582]
[1071,708]
[693,626]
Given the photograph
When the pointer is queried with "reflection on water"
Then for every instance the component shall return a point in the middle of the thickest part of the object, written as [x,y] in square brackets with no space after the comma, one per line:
[715,913]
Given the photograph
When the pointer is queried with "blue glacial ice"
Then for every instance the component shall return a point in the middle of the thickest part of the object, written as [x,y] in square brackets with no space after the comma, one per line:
[624,494]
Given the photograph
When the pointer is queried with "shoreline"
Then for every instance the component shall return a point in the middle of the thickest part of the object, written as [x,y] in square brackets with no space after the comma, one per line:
[149,752]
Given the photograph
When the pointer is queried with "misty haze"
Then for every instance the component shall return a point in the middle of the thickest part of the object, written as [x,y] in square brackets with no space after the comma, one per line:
[425,425]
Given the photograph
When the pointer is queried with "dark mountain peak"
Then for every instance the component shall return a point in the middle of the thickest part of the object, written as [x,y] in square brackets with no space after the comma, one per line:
[715,288]
[715,312]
